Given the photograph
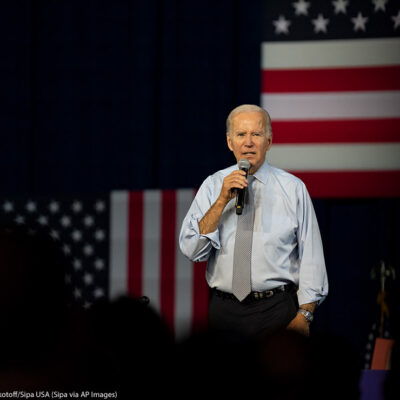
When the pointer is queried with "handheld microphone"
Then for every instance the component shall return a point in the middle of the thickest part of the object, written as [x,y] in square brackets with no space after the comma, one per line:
[244,165]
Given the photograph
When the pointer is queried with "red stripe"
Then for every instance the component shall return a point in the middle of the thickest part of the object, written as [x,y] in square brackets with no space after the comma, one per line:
[351,184]
[168,256]
[200,293]
[337,131]
[135,243]
[200,298]
[330,79]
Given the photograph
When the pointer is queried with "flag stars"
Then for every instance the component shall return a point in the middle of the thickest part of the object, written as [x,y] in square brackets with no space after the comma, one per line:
[359,22]
[301,7]
[340,6]
[98,293]
[379,5]
[88,221]
[76,207]
[320,24]
[43,220]
[31,206]
[396,20]
[78,228]
[54,207]
[54,234]
[8,207]
[88,279]
[100,206]
[77,264]
[66,249]
[99,264]
[88,250]
[65,221]
[99,235]
[76,235]
[19,220]
[281,25]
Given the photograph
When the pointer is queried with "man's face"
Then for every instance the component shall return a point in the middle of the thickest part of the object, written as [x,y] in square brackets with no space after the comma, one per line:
[248,138]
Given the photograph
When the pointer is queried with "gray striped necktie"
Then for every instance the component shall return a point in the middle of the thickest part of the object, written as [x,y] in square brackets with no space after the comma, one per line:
[241,281]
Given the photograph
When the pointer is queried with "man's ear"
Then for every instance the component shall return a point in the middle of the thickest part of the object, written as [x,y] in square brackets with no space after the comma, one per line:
[269,138]
[229,141]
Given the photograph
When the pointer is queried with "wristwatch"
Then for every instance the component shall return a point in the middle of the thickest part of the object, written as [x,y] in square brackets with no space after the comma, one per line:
[308,315]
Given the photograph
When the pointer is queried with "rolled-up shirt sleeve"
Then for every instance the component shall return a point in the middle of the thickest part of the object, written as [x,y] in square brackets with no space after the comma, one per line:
[313,281]
[194,245]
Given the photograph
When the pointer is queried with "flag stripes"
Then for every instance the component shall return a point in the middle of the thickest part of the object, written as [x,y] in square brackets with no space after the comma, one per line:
[335,109]
[355,183]
[168,255]
[184,291]
[337,131]
[344,105]
[118,245]
[339,157]
[135,242]
[331,79]
[153,265]
[331,53]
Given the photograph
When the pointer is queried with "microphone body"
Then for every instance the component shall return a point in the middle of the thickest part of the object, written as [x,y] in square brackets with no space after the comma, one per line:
[243,165]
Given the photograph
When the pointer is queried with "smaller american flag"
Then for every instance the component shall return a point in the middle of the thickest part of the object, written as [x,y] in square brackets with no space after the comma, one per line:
[123,243]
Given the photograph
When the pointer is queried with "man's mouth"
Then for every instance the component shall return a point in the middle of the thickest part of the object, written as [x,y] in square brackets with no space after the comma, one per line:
[249,153]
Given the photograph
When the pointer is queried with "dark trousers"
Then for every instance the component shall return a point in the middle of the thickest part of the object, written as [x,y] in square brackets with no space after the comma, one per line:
[252,318]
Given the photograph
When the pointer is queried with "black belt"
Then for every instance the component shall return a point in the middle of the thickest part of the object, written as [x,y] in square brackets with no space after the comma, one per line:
[256,295]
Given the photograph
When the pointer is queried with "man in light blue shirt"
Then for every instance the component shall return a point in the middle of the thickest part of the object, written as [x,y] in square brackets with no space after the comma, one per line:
[288,274]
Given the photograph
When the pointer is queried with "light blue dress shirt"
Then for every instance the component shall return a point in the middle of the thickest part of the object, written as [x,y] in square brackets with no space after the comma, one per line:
[287,244]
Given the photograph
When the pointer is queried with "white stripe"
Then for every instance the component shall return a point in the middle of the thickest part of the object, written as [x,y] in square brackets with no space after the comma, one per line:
[337,157]
[330,53]
[118,243]
[184,272]
[152,247]
[316,106]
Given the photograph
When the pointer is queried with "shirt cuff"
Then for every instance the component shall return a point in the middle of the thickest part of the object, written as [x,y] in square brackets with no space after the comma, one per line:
[306,296]
[213,237]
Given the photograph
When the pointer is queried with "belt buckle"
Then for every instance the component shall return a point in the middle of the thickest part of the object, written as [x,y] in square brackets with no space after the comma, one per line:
[268,293]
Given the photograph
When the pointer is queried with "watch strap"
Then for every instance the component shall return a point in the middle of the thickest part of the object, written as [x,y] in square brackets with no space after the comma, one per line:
[308,315]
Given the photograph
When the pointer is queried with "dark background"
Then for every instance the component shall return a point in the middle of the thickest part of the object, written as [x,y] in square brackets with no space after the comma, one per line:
[103,95]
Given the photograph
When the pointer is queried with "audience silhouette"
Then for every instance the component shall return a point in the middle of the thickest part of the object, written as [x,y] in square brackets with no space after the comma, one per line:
[33,309]
[123,346]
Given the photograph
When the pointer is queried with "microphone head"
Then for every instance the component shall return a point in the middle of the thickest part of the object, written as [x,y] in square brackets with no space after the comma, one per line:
[244,163]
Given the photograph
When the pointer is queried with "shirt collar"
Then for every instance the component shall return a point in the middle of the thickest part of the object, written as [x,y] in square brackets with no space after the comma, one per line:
[262,173]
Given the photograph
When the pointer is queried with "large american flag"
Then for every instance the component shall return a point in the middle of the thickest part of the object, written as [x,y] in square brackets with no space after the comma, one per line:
[123,243]
[331,81]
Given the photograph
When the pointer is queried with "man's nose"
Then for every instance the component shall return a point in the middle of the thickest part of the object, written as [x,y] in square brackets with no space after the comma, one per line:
[249,141]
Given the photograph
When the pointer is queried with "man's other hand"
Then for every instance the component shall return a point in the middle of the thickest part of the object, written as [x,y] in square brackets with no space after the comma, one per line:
[300,325]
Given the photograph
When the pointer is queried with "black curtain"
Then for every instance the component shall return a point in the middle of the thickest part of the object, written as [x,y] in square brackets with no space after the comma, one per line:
[104,95]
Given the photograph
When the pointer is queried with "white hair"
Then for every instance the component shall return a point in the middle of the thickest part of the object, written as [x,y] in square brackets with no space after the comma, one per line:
[249,108]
